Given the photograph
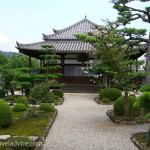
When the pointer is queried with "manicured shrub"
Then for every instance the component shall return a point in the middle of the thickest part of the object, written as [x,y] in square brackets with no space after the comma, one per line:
[110,93]
[47,107]
[145,88]
[31,112]
[119,107]
[144,101]
[19,107]
[148,115]
[132,95]
[58,93]
[5,114]
[2,93]
[51,98]
[23,100]
[105,100]
[23,143]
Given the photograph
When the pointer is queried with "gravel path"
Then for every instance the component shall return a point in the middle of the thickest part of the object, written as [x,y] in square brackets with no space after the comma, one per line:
[82,124]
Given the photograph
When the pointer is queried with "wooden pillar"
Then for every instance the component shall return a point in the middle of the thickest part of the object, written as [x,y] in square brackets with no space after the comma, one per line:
[30,62]
[62,63]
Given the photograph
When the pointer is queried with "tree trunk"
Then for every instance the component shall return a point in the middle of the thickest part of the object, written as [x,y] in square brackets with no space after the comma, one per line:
[147,78]
[126,104]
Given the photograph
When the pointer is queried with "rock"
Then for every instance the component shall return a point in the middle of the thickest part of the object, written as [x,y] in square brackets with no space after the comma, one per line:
[4,137]
[34,138]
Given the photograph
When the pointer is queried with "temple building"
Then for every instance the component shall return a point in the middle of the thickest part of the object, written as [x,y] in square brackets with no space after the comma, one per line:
[73,53]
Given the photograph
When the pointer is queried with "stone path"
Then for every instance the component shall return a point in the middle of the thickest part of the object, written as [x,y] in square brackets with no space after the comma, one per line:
[82,124]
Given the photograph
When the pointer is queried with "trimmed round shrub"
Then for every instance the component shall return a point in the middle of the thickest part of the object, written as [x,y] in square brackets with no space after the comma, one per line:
[58,93]
[145,88]
[5,114]
[23,143]
[2,93]
[144,101]
[105,100]
[132,95]
[22,100]
[119,107]
[19,107]
[110,93]
[47,107]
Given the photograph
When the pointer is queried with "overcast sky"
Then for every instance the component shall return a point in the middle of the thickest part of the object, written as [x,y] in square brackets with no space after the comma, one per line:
[24,21]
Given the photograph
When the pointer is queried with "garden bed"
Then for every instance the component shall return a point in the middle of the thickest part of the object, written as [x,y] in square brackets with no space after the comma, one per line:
[140,140]
[126,121]
[97,100]
[31,126]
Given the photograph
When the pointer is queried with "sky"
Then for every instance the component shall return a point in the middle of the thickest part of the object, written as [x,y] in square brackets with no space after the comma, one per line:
[24,21]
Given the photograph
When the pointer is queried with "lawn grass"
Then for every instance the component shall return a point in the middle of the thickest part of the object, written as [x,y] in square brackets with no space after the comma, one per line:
[33,126]
[18,114]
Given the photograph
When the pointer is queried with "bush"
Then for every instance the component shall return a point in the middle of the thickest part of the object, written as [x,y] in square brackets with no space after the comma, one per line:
[145,88]
[132,95]
[51,98]
[22,100]
[47,107]
[11,98]
[119,107]
[105,100]
[148,115]
[31,112]
[5,114]
[23,143]
[58,93]
[2,93]
[144,101]
[19,107]
[110,93]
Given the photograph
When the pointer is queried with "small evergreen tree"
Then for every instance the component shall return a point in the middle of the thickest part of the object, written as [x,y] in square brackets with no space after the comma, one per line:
[48,72]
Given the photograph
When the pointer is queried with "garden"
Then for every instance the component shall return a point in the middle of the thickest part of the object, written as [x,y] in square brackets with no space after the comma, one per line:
[28,115]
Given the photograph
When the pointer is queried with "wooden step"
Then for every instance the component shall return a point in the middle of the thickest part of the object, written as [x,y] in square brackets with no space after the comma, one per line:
[80,88]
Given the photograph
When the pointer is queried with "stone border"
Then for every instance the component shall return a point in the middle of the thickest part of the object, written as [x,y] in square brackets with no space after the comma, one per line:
[41,139]
[136,143]
[112,117]
[62,101]
[96,99]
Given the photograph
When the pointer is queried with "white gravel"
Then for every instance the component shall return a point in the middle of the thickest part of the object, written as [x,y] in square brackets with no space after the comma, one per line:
[82,124]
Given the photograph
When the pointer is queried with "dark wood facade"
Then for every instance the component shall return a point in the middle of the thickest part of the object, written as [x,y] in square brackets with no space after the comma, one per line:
[73,52]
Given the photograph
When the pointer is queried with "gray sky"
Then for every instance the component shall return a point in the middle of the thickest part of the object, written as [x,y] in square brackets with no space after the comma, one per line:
[24,21]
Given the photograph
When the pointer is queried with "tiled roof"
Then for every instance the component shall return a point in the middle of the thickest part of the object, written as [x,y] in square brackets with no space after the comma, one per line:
[64,40]
[80,27]
[60,46]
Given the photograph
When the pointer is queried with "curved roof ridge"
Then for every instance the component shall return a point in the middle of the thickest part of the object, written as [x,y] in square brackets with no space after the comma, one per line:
[57,32]
[85,19]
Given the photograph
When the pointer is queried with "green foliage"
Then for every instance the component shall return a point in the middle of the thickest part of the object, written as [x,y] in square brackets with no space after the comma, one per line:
[111,93]
[31,112]
[144,101]
[148,115]
[132,95]
[21,143]
[2,93]
[19,107]
[119,107]
[105,100]
[5,114]
[22,100]
[58,93]
[145,88]
[40,93]
[46,107]
[51,98]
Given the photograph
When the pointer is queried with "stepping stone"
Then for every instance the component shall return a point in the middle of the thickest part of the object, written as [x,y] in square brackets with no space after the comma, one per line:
[34,138]
[4,137]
